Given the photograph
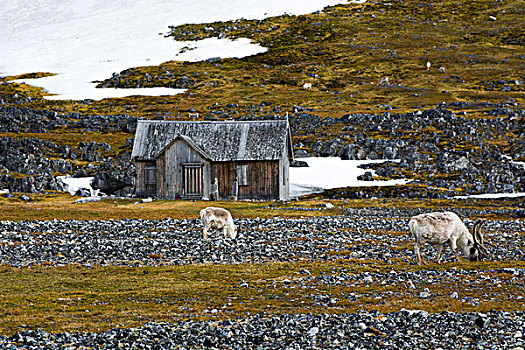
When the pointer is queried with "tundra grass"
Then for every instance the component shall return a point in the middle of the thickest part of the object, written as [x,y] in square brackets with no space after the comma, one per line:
[66,137]
[75,298]
[63,207]
[350,48]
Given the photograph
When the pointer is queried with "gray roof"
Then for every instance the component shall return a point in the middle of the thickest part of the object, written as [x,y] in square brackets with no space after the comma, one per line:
[216,141]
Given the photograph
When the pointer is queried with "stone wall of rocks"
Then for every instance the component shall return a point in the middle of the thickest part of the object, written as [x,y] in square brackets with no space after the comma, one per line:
[131,242]
[115,177]
[406,329]
[130,79]
[31,165]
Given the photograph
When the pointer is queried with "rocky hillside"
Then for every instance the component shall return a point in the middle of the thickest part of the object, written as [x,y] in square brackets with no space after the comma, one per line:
[442,151]
[31,165]
[456,127]
[445,152]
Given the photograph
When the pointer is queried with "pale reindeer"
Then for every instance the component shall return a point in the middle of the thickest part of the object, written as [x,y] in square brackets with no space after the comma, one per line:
[307,86]
[446,227]
[218,218]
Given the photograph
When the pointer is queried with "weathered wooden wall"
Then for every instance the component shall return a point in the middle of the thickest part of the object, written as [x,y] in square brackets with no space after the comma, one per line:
[170,163]
[142,189]
[263,180]
[267,180]
[161,176]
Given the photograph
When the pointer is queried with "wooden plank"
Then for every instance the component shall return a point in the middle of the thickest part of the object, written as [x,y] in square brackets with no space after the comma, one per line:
[161,177]
[263,180]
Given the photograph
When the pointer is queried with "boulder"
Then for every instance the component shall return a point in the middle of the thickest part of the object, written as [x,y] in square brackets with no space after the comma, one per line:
[301,153]
[115,177]
[390,152]
[298,164]
[361,154]
[372,155]
[328,149]
[367,176]
[461,164]
[184,82]
[347,152]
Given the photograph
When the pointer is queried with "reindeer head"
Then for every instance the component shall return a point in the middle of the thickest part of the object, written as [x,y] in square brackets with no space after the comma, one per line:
[477,251]
[233,232]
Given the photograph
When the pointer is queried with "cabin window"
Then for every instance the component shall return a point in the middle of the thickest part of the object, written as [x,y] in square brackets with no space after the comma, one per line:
[242,174]
[150,175]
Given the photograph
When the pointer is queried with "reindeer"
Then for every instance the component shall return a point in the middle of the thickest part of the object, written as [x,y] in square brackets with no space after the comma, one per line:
[447,227]
[217,218]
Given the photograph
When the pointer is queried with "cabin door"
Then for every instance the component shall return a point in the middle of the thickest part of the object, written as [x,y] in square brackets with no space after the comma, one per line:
[192,180]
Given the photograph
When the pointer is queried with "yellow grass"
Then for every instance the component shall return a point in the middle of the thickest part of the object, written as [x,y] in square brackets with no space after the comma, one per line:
[75,298]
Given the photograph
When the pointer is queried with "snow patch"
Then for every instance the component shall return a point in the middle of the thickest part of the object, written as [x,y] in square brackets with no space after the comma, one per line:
[74,184]
[87,200]
[332,172]
[86,41]
[493,195]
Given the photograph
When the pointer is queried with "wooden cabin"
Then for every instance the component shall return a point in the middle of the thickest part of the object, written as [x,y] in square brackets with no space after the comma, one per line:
[245,160]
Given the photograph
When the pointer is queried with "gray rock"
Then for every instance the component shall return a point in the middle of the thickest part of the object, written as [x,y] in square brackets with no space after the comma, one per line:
[360,330]
[367,176]
[298,164]
[115,177]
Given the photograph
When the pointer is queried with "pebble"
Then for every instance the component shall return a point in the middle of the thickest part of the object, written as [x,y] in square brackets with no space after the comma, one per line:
[363,330]
[133,242]
[425,294]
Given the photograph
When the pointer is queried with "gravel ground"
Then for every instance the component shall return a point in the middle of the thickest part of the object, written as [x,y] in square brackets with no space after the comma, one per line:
[365,330]
[359,234]
[177,242]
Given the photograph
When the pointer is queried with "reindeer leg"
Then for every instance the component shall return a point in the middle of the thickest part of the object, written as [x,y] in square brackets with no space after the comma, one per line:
[440,250]
[205,232]
[455,249]
[423,258]
[416,253]
[419,256]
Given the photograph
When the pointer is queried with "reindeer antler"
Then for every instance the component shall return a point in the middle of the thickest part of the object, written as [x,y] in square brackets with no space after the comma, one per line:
[479,237]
